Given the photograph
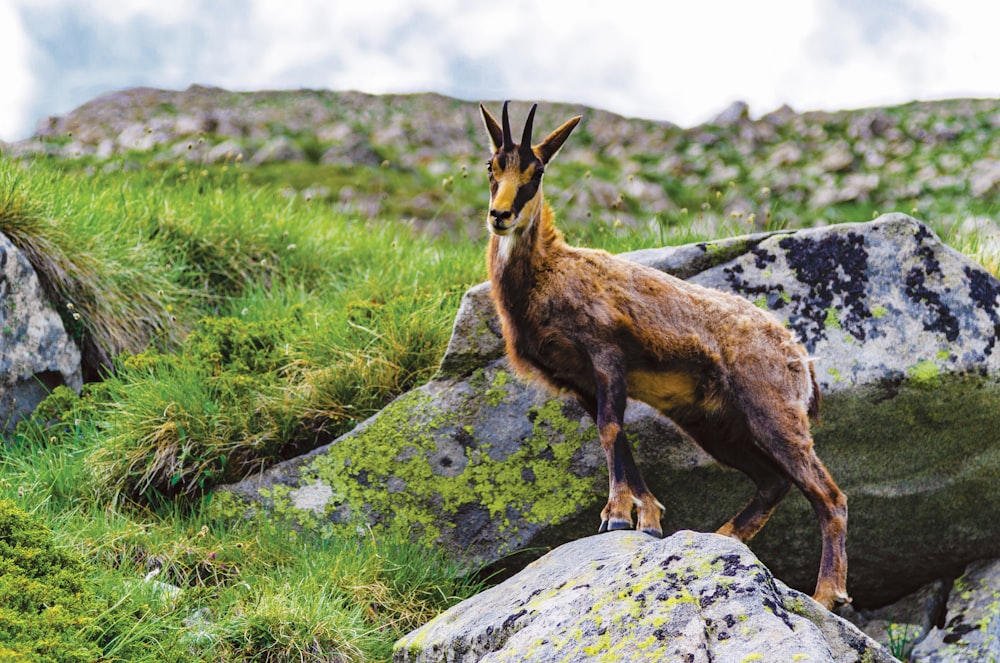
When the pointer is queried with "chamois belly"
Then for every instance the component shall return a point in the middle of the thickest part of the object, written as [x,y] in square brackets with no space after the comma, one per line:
[671,391]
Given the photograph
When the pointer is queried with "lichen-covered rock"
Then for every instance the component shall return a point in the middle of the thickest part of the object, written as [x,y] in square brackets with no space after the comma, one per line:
[904,330]
[901,625]
[36,354]
[627,597]
[971,632]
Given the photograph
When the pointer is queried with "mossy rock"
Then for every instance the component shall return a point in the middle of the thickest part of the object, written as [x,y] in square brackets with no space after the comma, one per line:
[904,331]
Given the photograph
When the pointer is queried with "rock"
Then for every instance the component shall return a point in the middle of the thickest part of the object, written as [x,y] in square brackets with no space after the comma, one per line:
[839,157]
[37,355]
[985,177]
[628,597]
[278,149]
[736,113]
[904,330]
[971,632]
[900,626]
[225,151]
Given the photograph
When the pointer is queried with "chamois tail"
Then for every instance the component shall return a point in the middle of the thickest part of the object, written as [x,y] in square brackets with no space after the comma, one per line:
[815,398]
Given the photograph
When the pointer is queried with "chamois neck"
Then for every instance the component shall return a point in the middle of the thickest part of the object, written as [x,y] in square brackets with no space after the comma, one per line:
[523,250]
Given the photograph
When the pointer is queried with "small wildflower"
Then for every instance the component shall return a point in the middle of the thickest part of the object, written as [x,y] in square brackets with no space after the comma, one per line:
[76,316]
[386,163]
[875,214]
[617,224]
[751,219]
[914,211]
[69,306]
[735,215]
[684,210]
[718,194]
[705,207]
[291,247]
[586,175]
[765,191]
[149,130]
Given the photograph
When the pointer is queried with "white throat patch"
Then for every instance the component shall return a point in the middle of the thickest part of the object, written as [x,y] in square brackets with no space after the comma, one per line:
[505,246]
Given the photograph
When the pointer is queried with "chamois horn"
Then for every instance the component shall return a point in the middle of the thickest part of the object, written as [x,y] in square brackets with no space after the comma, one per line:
[526,136]
[508,141]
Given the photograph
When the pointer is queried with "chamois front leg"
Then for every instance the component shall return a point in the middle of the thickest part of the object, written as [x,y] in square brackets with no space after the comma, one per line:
[626,486]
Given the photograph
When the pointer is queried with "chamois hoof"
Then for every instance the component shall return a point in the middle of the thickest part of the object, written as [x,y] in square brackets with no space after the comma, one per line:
[655,533]
[612,525]
[833,602]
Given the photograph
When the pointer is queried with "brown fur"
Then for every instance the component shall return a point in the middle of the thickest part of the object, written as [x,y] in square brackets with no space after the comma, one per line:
[606,330]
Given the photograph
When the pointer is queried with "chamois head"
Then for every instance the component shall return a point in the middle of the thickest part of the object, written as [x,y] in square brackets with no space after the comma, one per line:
[516,171]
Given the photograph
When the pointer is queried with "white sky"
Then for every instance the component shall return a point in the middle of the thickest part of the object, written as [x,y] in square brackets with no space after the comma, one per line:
[660,59]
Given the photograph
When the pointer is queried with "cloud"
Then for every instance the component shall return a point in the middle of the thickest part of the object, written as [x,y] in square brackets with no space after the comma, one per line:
[682,62]
[18,84]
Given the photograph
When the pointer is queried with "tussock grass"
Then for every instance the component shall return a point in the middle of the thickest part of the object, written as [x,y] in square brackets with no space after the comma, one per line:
[113,287]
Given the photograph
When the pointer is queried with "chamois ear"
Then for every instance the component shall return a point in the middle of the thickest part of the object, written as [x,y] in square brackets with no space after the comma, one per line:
[554,141]
[492,128]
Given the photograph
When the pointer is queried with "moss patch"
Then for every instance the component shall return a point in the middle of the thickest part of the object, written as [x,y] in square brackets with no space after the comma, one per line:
[46,604]
[925,374]
[421,469]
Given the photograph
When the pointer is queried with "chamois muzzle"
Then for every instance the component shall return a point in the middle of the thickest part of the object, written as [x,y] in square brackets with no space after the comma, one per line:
[499,220]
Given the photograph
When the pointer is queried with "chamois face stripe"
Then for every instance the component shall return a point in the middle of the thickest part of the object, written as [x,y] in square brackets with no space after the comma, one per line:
[524,194]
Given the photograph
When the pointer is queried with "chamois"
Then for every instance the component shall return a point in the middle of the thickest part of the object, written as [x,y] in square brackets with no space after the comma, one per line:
[606,330]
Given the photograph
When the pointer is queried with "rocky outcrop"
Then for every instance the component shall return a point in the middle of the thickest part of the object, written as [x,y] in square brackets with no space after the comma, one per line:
[36,355]
[627,597]
[904,330]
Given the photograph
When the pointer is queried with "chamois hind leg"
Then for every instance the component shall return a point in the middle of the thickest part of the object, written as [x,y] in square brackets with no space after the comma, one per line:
[782,431]
[730,443]
[626,486]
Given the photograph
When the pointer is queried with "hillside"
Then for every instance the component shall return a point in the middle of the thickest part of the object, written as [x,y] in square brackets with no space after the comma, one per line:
[251,275]
[419,156]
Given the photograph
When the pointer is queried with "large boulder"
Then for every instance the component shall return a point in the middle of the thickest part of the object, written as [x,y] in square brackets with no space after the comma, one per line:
[628,597]
[36,355]
[904,330]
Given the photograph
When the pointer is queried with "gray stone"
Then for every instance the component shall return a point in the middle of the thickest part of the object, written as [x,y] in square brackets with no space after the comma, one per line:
[628,597]
[971,633]
[278,149]
[735,113]
[903,329]
[900,626]
[228,150]
[36,354]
